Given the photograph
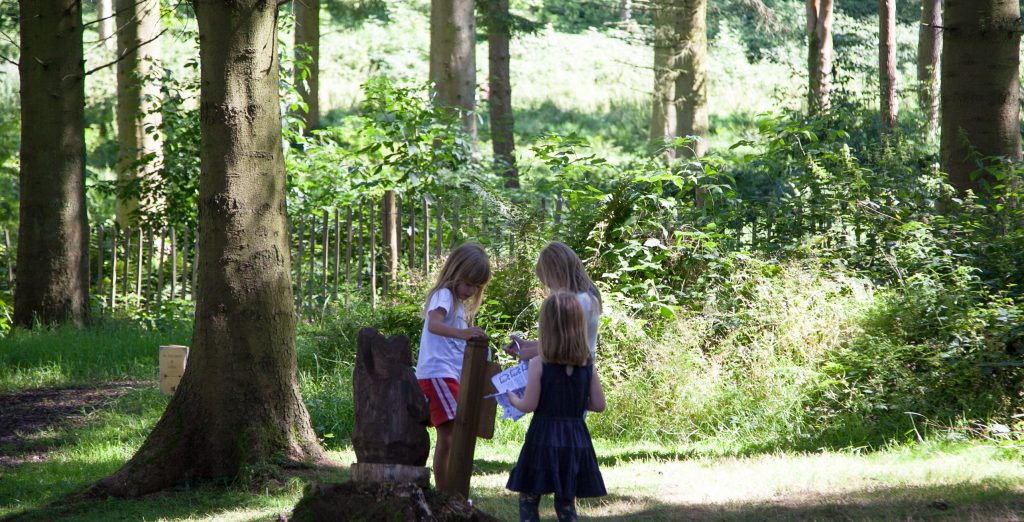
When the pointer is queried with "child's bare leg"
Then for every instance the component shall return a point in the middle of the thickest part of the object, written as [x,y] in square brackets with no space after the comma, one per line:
[441,451]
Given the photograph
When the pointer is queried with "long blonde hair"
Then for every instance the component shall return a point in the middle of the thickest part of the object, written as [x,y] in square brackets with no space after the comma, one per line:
[559,268]
[563,330]
[466,264]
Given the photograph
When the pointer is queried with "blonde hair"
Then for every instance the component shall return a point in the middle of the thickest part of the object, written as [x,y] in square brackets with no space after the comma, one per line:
[559,268]
[563,330]
[466,264]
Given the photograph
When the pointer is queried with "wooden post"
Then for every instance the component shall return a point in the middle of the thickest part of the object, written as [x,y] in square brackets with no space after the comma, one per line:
[337,252]
[412,234]
[312,255]
[348,254]
[149,266]
[195,262]
[455,238]
[113,267]
[326,252]
[298,264]
[426,236]
[174,262]
[397,232]
[373,260]
[160,268]
[359,258]
[440,218]
[467,416]
[7,254]
[99,258]
[138,268]
[127,262]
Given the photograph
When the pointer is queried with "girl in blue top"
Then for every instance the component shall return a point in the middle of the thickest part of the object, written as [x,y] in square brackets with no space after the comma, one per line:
[449,311]
[558,456]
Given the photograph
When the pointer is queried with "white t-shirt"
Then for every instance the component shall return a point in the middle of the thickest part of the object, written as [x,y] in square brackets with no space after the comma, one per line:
[591,315]
[441,356]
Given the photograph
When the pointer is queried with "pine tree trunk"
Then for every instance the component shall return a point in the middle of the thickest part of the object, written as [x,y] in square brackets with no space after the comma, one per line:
[819,54]
[105,22]
[238,404]
[887,63]
[138,88]
[980,86]
[663,111]
[929,41]
[453,57]
[53,231]
[502,122]
[307,51]
[691,96]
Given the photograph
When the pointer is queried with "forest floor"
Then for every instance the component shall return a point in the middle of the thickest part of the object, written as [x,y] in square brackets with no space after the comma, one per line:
[39,429]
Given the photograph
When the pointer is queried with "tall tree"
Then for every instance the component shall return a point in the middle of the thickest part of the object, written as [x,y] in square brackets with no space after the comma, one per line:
[887,62]
[691,93]
[929,41]
[105,22]
[53,230]
[307,58]
[663,110]
[980,86]
[138,88]
[500,92]
[453,57]
[238,403]
[819,53]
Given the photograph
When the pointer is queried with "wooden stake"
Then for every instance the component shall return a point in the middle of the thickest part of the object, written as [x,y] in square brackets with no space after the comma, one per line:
[298,264]
[373,260]
[348,254]
[337,252]
[113,267]
[325,244]
[467,416]
[174,263]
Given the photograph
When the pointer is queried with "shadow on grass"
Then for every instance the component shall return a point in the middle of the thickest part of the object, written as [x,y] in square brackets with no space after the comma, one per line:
[973,501]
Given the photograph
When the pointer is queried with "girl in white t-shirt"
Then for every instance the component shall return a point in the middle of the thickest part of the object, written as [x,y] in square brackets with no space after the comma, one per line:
[559,268]
[449,311]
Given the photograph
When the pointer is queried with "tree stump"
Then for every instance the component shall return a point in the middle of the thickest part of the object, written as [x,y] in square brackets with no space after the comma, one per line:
[391,414]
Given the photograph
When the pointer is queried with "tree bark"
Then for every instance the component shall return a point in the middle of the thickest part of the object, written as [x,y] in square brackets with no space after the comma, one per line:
[138,88]
[500,92]
[307,52]
[453,57]
[691,94]
[663,110]
[819,54]
[929,42]
[980,86]
[105,22]
[53,231]
[238,404]
[887,63]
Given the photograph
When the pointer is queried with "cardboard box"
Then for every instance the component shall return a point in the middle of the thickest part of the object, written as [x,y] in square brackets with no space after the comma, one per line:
[173,359]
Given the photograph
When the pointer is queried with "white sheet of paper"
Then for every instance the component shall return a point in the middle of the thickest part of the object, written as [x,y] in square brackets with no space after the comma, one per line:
[513,379]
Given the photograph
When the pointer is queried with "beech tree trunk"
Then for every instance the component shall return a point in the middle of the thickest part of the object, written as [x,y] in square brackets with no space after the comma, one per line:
[307,53]
[502,121]
[819,54]
[105,22]
[138,88]
[691,92]
[53,231]
[980,86]
[663,109]
[238,404]
[453,57]
[887,63]
[929,41]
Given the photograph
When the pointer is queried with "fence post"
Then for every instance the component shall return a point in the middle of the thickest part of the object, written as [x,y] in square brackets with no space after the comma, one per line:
[149,266]
[348,254]
[113,267]
[174,262]
[298,263]
[99,259]
[440,218]
[312,255]
[160,267]
[472,387]
[337,251]
[326,252]
[412,233]
[195,262]
[127,262]
[426,236]
[360,264]
[138,268]
[7,254]
[373,260]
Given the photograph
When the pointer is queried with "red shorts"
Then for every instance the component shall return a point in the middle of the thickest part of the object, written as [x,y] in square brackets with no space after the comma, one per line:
[442,396]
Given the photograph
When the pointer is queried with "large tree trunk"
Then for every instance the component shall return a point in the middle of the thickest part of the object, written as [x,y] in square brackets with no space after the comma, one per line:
[53,231]
[887,62]
[238,404]
[502,122]
[663,110]
[691,93]
[929,41]
[105,22]
[307,52]
[453,57]
[138,88]
[819,54]
[980,86]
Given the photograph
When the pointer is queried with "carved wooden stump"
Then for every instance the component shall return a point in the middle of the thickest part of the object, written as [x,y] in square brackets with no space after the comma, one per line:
[391,413]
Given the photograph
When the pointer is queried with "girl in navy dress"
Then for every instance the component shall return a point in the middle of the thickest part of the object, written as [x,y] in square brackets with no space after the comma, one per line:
[558,456]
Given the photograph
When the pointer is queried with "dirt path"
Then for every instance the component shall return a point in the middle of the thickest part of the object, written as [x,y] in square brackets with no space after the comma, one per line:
[26,415]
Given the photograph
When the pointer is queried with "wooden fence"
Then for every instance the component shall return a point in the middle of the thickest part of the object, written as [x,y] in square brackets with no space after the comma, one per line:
[335,252]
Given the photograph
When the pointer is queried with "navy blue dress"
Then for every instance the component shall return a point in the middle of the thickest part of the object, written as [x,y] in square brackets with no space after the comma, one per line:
[558,456]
